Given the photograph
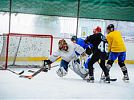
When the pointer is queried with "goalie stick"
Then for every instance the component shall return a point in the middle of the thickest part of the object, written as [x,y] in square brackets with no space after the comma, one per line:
[17,73]
[32,71]
[36,72]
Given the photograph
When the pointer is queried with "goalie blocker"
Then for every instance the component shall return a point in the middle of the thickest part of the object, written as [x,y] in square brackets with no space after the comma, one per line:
[47,62]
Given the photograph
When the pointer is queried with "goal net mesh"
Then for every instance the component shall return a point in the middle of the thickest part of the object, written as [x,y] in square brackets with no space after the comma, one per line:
[25,50]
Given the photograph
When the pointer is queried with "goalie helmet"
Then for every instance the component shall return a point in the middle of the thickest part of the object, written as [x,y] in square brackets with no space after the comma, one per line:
[63,45]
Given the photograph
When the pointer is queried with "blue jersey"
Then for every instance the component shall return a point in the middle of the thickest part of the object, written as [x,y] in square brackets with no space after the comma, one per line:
[87,61]
[82,43]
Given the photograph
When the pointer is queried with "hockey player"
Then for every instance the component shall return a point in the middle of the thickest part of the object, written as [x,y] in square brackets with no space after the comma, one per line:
[88,51]
[81,42]
[117,49]
[69,57]
[99,53]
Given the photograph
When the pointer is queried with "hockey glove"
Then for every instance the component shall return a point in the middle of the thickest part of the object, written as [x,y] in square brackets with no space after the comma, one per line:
[89,51]
[83,56]
[47,62]
[47,65]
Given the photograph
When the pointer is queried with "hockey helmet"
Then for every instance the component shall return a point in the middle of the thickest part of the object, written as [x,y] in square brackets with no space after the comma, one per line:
[110,27]
[98,29]
[74,38]
[63,45]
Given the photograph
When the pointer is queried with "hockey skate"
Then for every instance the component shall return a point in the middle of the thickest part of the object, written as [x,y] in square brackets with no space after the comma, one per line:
[61,72]
[125,78]
[107,79]
[103,77]
[90,79]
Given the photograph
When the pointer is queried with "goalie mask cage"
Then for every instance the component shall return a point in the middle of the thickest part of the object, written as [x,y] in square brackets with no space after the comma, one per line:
[25,50]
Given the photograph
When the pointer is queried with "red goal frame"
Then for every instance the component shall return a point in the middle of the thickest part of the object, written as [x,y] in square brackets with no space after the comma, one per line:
[24,35]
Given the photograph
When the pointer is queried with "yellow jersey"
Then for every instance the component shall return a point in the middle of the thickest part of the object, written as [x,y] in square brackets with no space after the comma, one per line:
[115,42]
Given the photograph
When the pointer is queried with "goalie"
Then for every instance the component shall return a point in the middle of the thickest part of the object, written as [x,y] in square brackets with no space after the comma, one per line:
[69,59]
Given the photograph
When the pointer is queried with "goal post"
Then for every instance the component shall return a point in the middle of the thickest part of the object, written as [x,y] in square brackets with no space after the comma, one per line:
[26,50]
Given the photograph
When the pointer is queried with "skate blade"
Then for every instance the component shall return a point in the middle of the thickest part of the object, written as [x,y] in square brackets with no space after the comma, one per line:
[104,81]
[126,81]
[90,81]
[107,82]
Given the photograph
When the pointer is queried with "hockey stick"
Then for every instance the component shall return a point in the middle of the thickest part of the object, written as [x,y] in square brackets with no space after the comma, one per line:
[17,73]
[32,71]
[36,72]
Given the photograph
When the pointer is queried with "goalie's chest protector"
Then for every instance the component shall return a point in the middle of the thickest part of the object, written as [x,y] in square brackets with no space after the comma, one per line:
[68,55]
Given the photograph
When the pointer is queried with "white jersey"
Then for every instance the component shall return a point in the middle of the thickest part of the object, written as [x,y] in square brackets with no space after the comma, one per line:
[67,55]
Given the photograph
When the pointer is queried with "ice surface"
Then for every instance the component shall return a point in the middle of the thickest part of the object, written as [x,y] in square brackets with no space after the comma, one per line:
[48,85]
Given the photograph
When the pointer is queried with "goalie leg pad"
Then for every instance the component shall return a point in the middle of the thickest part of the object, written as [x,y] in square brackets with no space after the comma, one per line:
[61,72]
[78,68]
[122,66]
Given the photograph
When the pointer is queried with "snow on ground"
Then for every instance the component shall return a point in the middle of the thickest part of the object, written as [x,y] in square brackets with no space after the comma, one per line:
[48,85]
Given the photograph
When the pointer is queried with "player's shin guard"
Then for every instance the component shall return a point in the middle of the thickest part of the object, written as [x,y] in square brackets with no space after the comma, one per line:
[124,70]
[109,64]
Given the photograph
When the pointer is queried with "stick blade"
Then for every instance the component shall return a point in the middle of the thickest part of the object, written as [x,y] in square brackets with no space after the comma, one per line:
[26,76]
[31,71]
[21,72]
[113,79]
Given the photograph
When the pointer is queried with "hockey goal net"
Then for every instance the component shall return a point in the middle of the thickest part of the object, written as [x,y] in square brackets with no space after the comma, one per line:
[25,50]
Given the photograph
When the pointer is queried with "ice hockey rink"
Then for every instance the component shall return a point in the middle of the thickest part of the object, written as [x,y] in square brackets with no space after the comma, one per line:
[29,33]
[46,86]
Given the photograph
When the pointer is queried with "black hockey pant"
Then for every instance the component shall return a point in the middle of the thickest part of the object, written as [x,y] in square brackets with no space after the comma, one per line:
[95,58]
